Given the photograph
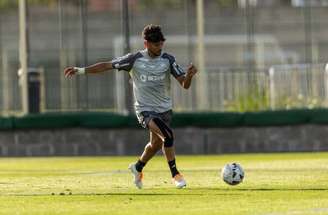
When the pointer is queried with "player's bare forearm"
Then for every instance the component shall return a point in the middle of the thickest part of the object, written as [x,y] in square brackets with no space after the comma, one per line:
[186,80]
[99,67]
[95,68]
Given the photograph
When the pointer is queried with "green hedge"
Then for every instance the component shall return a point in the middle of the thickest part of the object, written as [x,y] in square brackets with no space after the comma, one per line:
[276,118]
[207,119]
[113,120]
[107,120]
[6,123]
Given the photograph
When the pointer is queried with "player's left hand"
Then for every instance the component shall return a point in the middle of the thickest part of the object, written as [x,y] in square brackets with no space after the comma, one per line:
[192,70]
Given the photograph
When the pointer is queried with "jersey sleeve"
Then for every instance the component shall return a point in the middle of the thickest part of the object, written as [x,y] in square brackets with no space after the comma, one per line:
[175,69]
[125,62]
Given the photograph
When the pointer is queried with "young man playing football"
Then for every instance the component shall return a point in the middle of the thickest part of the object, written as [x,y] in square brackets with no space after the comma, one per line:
[150,70]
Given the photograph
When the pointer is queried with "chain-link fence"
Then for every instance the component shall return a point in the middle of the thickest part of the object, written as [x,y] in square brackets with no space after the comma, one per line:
[243,40]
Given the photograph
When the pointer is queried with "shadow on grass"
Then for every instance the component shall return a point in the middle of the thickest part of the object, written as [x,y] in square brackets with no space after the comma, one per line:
[207,191]
[232,189]
[116,194]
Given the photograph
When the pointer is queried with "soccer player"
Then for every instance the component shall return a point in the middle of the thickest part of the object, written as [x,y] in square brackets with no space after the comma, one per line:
[150,70]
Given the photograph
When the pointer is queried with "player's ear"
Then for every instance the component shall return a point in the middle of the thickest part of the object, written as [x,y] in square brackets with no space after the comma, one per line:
[145,43]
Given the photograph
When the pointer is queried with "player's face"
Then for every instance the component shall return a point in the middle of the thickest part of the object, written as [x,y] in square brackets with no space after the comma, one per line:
[154,49]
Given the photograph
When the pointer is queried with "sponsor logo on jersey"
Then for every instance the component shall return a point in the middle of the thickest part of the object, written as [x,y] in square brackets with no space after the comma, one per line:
[146,78]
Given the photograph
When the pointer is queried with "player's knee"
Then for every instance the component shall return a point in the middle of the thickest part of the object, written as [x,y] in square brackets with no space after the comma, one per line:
[168,141]
[148,146]
[169,138]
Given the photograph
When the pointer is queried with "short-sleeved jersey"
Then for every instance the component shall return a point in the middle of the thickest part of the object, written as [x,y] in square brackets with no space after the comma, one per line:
[151,79]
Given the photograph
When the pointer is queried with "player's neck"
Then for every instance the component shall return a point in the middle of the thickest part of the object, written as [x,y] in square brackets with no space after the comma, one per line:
[151,54]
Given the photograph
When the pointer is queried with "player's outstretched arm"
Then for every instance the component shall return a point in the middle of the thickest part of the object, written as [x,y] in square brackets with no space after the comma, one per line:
[95,68]
[185,80]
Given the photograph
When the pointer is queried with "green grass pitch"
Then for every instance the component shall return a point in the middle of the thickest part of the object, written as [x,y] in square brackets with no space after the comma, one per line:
[275,184]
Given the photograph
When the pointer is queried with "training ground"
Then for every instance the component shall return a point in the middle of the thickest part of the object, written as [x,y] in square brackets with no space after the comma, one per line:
[275,184]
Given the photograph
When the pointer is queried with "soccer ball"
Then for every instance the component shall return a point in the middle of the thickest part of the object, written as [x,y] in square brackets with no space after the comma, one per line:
[232,174]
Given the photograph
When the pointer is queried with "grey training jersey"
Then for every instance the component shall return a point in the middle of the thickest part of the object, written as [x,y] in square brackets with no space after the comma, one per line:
[151,79]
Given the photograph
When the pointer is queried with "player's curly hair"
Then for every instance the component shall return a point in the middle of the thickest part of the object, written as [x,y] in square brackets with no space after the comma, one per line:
[153,33]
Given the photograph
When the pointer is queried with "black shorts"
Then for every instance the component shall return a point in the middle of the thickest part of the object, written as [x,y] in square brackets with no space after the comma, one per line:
[145,117]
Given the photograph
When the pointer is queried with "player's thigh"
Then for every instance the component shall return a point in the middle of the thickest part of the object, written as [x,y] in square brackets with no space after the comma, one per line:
[155,140]
[163,132]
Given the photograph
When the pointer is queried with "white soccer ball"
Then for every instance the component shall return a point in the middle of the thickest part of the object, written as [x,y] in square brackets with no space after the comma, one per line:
[232,174]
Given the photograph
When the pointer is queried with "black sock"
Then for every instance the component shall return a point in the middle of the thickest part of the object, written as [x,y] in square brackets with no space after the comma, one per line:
[173,168]
[140,165]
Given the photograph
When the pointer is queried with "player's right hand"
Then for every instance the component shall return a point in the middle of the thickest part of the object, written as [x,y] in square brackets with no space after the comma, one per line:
[69,72]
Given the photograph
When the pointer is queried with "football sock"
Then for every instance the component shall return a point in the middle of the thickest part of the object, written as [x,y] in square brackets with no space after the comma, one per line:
[173,168]
[140,165]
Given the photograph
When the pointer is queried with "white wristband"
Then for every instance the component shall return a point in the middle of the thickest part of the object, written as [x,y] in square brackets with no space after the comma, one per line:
[80,71]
